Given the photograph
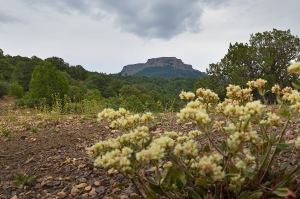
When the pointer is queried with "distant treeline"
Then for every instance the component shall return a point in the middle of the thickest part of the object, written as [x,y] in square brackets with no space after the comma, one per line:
[30,79]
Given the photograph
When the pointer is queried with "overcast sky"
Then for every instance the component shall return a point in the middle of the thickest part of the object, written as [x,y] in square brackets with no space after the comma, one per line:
[105,35]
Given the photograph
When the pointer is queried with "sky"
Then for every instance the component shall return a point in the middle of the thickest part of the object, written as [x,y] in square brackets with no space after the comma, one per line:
[105,35]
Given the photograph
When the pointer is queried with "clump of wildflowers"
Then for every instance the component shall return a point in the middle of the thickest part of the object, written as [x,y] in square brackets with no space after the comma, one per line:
[186,95]
[259,83]
[294,68]
[209,166]
[207,96]
[188,148]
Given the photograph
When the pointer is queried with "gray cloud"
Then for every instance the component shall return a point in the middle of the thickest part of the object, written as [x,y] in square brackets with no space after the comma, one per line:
[162,19]
[7,18]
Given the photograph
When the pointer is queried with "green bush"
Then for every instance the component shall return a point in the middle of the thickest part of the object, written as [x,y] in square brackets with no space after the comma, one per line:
[4,88]
[249,161]
[16,90]
[133,103]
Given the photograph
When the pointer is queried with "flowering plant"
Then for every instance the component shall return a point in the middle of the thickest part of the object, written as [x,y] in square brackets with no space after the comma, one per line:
[249,162]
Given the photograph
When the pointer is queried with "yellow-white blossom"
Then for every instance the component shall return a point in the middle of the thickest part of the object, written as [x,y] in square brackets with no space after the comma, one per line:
[186,95]
[240,164]
[209,165]
[195,133]
[188,148]
[294,68]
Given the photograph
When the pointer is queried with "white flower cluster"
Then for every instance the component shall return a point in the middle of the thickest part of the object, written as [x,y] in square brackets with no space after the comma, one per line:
[236,93]
[116,159]
[276,89]
[259,83]
[272,120]
[186,95]
[240,164]
[195,134]
[156,150]
[206,95]
[188,148]
[114,153]
[172,134]
[250,109]
[294,68]
[236,138]
[123,118]
[209,165]
[197,114]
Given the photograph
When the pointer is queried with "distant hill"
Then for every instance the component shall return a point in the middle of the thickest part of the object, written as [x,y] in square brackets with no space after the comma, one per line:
[162,67]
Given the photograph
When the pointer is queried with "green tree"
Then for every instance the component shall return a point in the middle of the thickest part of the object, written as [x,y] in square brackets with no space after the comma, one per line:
[267,56]
[16,90]
[46,81]
[22,74]
[4,88]
[6,69]
[75,93]
[96,81]
[93,94]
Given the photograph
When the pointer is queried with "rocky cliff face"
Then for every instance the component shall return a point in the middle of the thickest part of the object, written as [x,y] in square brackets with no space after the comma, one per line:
[157,62]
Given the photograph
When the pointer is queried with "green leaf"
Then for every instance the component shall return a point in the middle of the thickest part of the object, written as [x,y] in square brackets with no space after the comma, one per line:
[255,195]
[147,143]
[223,146]
[272,138]
[178,178]
[169,176]
[157,189]
[206,149]
[285,192]
[296,86]
[229,175]
[135,197]
[203,182]
[179,184]
[285,165]
[193,194]
[120,185]
[283,146]
[283,112]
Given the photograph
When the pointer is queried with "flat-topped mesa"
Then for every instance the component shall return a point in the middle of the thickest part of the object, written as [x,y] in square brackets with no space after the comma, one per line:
[156,62]
[168,61]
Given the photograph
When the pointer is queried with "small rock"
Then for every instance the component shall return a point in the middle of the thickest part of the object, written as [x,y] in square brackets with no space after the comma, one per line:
[122,196]
[81,185]
[83,180]
[115,131]
[14,197]
[61,194]
[106,127]
[74,191]
[87,188]
[93,192]
[97,183]
[112,171]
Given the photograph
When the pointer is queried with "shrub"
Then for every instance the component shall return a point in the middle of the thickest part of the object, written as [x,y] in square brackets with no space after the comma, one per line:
[247,163]
[4,88]
[16,90]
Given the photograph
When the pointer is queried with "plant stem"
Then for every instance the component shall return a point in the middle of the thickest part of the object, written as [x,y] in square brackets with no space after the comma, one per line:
[272,156]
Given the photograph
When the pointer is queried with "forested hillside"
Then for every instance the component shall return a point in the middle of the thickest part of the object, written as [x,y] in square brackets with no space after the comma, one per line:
[34,80]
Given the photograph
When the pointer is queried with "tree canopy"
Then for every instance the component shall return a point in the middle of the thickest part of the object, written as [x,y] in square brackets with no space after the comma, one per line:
[47,81]
[267,56]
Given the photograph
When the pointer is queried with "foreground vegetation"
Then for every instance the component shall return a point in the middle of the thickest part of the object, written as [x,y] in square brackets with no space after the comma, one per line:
[247,163]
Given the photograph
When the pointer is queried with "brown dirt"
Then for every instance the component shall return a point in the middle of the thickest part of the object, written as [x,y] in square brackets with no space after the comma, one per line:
[56,154]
